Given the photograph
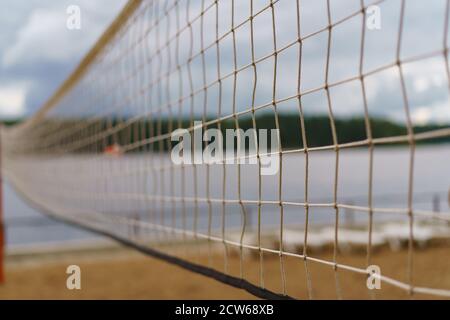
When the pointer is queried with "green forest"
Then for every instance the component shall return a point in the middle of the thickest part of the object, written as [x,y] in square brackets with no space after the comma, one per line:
[128,131]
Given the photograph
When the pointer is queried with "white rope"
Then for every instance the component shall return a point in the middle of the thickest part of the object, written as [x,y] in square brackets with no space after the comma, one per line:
[164,64]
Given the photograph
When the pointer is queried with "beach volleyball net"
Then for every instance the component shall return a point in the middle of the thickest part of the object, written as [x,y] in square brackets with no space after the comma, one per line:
[319,74]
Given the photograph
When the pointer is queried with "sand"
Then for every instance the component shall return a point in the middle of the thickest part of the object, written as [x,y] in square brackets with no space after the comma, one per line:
[125,274]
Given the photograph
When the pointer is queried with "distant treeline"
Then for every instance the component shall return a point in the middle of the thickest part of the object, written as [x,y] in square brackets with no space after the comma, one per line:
[84,135]
[10,122]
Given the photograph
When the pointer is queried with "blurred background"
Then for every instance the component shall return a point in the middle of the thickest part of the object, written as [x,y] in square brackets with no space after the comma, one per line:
[38,52]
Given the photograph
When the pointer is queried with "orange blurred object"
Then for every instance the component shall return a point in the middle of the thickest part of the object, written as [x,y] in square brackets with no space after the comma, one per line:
[2,227]
[114,150]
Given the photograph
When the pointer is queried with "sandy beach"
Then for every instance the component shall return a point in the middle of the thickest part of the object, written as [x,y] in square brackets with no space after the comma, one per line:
[119,273]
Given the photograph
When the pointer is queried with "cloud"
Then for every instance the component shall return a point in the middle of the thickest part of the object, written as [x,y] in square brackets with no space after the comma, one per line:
[437,113]
[41,28]
[12,102]
[36,47]
[43,51]
[45,38]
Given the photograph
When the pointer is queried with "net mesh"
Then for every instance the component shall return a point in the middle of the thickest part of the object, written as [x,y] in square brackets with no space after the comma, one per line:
[99,152]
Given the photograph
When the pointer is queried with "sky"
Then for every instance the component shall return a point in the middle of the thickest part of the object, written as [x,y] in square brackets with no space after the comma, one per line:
[37,52]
